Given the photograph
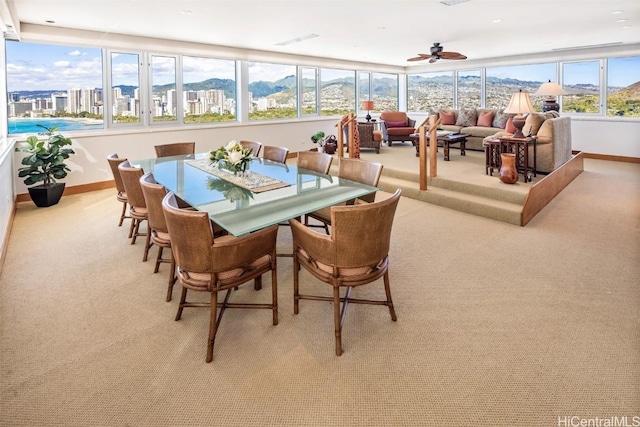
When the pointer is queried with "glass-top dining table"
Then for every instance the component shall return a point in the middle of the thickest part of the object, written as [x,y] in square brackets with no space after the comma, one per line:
[240,210]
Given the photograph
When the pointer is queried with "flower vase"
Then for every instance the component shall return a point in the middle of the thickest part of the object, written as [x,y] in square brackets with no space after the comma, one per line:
[508,172]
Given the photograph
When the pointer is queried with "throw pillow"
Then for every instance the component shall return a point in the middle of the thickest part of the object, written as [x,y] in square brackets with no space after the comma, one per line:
[485,119]
[467,117]
[396,124]
[509,127]
[447,118]
[500,119]
[533,123]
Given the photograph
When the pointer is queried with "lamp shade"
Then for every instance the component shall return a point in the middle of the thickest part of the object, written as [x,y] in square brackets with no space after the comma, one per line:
[367,105]
[520,103]
[550,89]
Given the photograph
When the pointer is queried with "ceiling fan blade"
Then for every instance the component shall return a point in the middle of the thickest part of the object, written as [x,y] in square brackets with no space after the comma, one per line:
[420,57]
[452,55]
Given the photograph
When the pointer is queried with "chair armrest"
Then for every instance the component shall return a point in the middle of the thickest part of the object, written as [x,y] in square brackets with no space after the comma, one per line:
[411,123]
[317,246]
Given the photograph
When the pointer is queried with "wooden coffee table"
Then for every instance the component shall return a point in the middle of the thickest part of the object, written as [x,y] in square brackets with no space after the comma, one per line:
[445,141]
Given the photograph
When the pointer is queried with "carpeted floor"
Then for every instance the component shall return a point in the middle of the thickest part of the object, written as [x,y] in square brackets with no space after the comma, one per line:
[497,325]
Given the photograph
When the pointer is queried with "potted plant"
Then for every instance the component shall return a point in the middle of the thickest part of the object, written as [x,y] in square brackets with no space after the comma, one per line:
[318,138]
[45,163]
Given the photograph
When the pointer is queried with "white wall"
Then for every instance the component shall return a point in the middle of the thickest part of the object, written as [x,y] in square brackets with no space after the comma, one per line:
[610,137]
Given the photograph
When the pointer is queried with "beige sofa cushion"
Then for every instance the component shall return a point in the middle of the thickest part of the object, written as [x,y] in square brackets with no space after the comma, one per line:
[533,123]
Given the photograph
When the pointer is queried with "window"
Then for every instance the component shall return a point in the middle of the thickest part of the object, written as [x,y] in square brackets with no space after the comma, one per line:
[502,82]
[430,91]
[309,86]
[125,88]
[164,101]
[385,91]
[337,92]
[364,88]
[60,86]
[208,90]
[469,89]
[581,81]
[272,91]
[623,76]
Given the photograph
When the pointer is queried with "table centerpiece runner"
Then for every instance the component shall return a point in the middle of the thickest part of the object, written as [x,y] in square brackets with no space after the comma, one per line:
[248,180]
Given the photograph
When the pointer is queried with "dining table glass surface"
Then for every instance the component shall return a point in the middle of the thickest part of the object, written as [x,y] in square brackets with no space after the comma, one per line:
[241,211]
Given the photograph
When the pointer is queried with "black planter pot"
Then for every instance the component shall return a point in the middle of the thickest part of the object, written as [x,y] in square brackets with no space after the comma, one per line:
[46,195]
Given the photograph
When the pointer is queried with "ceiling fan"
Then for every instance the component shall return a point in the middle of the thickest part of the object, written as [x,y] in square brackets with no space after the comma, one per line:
[437,53]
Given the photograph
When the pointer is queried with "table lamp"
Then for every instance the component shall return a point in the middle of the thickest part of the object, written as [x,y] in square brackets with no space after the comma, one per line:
[520,104]
[367,105]
[550,90]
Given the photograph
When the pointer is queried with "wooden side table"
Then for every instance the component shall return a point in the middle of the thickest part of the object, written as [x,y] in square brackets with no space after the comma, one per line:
[520,147]
[492,156]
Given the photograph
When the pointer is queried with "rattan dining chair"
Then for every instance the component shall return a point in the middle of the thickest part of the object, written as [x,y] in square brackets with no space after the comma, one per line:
[314,161]
[175,149]
[137,204]
[362,171]
[254,145]
[153,195]
[354,254]
[121,194]
[275,153]
[207,264]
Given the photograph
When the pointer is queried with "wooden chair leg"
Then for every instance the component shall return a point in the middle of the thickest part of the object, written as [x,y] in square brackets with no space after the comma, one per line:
[274,295]
[336,320]
[183,298]
[123,214]
[172,278]
[387,290]
[257,283]
[212,326]
[158,259]
[296,290]
[147,244]
[132,230]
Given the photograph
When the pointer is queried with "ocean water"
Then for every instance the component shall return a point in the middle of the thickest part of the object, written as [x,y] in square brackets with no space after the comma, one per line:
[22,125]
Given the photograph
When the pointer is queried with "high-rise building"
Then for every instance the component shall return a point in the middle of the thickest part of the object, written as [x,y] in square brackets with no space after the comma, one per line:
[74,100]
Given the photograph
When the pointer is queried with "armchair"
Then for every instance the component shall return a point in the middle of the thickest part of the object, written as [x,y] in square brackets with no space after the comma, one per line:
[397,126]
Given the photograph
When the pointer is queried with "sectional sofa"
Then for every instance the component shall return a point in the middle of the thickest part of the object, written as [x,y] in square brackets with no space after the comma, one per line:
[553,132]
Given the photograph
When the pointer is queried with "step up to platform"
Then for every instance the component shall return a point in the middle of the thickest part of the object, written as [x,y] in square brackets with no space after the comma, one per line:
[480,205]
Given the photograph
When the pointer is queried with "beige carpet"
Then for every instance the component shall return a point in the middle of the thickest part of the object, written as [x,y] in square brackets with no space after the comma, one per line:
[497,325]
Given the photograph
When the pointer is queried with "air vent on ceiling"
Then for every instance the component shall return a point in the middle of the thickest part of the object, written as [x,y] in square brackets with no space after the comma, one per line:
[297,40]
[452,2]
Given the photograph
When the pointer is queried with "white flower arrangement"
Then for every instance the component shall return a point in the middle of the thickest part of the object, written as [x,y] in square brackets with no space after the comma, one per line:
[232,156]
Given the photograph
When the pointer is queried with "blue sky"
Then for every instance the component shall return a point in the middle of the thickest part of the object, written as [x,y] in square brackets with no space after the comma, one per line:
[33,66]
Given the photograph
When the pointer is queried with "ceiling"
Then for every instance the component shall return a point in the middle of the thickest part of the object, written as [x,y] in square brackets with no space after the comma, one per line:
[380,32]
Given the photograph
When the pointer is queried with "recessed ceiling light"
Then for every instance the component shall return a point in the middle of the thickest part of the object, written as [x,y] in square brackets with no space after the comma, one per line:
[616,12]
[622,20]
[626,27]
[186,12]
[495,21]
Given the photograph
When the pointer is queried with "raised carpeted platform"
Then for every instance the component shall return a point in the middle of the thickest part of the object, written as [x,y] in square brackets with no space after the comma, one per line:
[462,183]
